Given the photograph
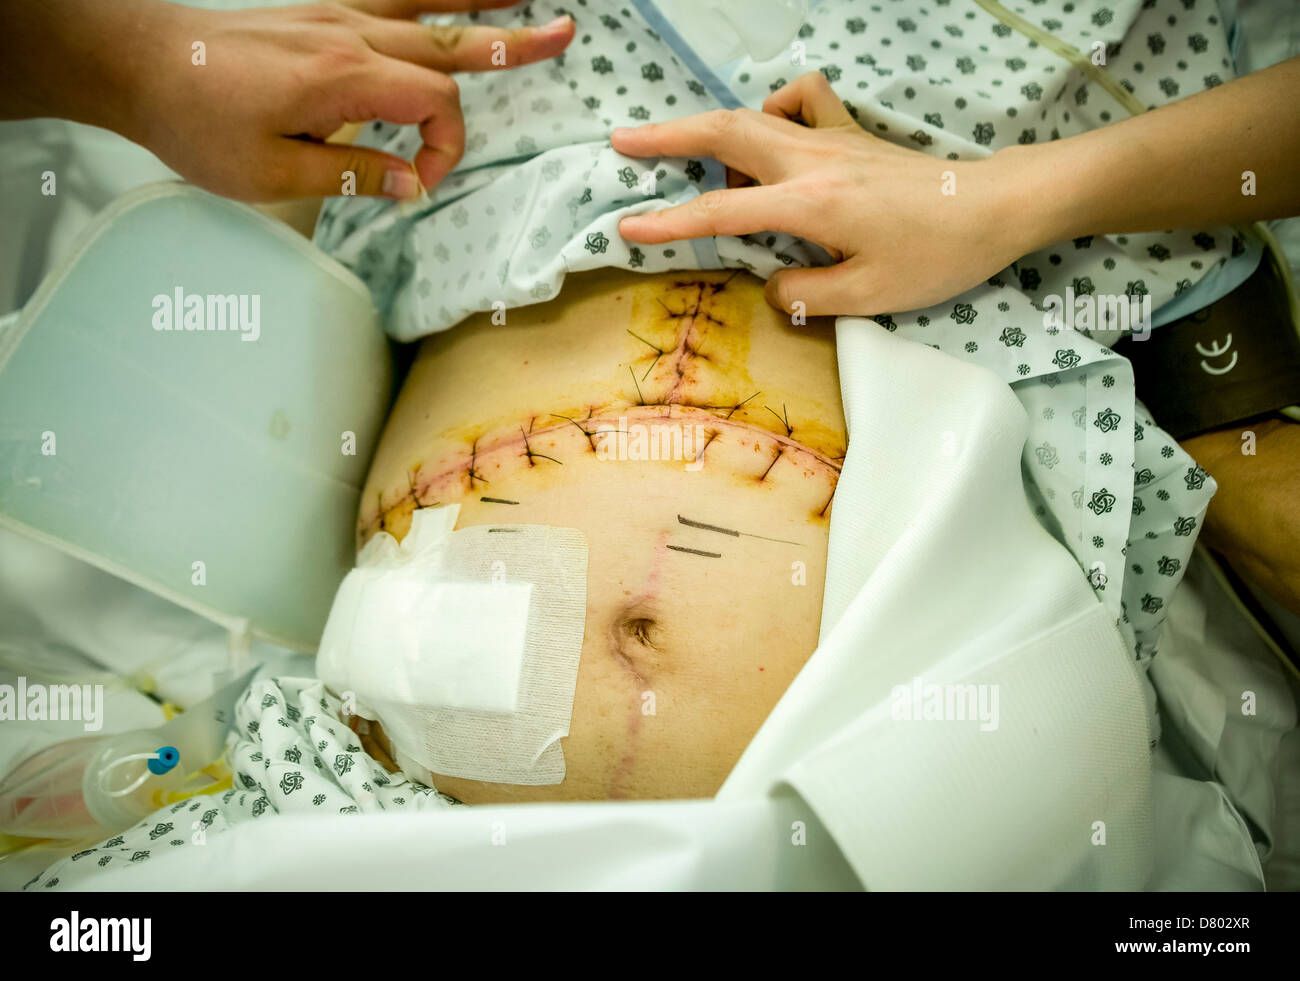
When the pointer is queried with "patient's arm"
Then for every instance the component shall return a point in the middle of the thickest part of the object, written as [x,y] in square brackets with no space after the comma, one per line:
[1254,519]
[1228,151]
[239,102]
[704,582]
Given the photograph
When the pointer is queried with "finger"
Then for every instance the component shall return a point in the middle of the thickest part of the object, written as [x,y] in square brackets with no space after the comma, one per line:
[399,92]
[328,169]
[443,137]
[810,98]
[413,8]
[742,139]
[821,291]
[461,48]
[394,91]
[733,212]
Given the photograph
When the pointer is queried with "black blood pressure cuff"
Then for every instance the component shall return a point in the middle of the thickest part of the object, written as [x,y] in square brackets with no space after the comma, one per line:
[1236,359]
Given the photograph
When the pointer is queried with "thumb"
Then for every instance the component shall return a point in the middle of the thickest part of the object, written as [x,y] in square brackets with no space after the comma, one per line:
[810,98]
[329,170]
[836,290]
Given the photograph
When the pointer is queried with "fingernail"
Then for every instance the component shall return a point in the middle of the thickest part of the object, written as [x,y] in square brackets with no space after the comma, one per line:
[562,21]
[401,185]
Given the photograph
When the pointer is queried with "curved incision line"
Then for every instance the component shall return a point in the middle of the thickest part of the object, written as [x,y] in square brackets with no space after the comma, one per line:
[690,328]
[528,449]
[520,445]
[412,479]
[473,462]
[591,436]
[784,419]
[741,405]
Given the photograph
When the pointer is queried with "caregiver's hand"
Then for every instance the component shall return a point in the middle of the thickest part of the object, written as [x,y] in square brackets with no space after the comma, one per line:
[1216,158]
[911,230]
[241,102]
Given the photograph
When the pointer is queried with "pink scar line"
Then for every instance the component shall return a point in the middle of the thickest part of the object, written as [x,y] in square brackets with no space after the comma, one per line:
[427,489]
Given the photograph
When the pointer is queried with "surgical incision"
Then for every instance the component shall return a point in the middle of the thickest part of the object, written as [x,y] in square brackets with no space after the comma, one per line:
[679,394]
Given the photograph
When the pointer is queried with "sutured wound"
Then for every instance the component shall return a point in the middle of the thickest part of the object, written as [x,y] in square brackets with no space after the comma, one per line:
[696,321]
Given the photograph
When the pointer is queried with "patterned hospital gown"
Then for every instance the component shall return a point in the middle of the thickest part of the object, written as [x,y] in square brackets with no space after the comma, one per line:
[539,194]
[540,191]
[290,754]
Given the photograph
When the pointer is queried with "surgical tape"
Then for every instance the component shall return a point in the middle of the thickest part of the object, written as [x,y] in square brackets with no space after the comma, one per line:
[464,645]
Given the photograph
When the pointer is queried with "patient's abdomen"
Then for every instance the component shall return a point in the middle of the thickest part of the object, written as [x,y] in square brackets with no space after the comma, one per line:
[695,436]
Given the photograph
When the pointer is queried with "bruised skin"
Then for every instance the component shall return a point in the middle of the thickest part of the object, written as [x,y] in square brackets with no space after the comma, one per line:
[705,572]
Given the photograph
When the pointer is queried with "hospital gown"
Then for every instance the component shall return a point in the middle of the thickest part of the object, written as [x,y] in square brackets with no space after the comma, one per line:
[289,754]
[539,194]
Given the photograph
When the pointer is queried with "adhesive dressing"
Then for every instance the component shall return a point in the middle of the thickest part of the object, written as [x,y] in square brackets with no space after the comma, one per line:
[464,645]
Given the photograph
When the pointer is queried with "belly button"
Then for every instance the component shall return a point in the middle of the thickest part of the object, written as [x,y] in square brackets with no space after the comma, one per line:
[640,629]
[632,639]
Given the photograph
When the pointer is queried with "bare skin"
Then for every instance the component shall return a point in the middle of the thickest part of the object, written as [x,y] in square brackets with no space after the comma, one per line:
[705,572]
[1107,180]
[1112,179]
[1254,519]
[265,86]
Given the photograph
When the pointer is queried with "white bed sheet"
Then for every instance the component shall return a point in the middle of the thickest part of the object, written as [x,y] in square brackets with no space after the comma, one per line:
[1211,795]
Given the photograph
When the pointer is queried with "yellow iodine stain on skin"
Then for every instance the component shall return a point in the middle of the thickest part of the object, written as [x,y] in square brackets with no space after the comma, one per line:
[681,345]
[690,344]
[816,435]
[689,338]
[394,519]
